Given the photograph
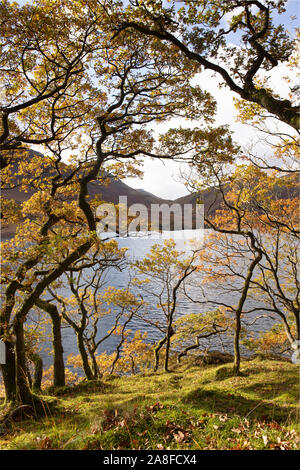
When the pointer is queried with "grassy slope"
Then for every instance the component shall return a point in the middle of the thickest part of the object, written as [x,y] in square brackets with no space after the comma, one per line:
[191,408]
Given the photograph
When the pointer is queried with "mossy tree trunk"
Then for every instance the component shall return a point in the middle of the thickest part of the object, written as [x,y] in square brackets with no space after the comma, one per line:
[236,344]
[84,356]
[157,352]
[170,333]
[23,392]
[38,372]
[92,352]
[58,363]
[9,372]
[59,379]
[239,309]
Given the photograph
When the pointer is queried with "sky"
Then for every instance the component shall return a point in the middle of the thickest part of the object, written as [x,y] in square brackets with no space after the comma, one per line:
[162,178]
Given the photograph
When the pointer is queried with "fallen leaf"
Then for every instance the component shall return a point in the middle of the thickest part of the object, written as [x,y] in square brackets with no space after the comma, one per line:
[238,431]
[179,437]
[223,418]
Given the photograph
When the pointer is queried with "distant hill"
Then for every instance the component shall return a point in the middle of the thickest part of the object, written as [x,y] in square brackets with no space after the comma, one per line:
[212,197]
[118,188]
[110,193]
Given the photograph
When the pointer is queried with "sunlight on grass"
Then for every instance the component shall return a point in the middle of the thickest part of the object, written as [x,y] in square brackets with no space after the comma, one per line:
[204,408]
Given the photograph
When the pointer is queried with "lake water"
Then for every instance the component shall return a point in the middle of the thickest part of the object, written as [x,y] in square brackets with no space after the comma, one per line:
[138,247]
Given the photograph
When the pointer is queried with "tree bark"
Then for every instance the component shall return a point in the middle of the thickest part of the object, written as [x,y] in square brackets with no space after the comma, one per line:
[237,353]
[38,372]
[239,309]
[9,372]
[58,363]
[59,379]
[170,333]
[283,109]
[84,357]
[156,352]
[23,392]
[96,372]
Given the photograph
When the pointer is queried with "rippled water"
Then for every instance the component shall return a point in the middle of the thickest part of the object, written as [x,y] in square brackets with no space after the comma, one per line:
[138,247]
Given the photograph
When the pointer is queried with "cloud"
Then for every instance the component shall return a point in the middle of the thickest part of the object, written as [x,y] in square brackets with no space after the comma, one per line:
[162,179]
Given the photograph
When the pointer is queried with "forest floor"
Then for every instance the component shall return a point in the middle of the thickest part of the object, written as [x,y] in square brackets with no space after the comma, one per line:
[193,407]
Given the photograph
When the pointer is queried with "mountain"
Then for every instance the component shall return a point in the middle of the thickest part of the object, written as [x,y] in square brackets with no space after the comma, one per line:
[118,188]
[109,193]
[211,197]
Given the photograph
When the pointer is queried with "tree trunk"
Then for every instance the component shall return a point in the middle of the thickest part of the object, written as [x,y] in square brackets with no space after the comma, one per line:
[59,379]
[156,352]
[58,363]
[84,357]
[170,333]
[38,372]
[96,372]
[237,354]
[9,372]
[23,392]
[28,374]
[239,309]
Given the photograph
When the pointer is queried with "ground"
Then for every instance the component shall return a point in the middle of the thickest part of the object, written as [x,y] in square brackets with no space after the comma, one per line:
[192,407]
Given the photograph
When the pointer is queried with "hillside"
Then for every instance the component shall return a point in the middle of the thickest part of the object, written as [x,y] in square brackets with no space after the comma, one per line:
[109,193]
[194,407]
[211,197]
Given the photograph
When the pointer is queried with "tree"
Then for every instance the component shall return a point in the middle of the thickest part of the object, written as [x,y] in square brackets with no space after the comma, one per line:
[34,335]
[58,358]
[136,354]
[199,327]
[133,354]
[255,248]
[247,204]
[161,276]
[97,122]
[125,304]
[44,51]
[238,53]
[83,308]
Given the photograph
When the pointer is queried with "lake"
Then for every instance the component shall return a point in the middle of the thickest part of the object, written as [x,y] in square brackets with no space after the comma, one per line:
[138,247]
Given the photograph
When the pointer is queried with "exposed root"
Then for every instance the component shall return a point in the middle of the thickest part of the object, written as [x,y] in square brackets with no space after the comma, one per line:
[16,413]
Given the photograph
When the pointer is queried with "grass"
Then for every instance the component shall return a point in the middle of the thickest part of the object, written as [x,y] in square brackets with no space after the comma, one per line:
[190,408]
